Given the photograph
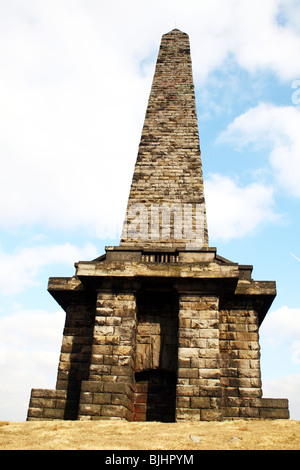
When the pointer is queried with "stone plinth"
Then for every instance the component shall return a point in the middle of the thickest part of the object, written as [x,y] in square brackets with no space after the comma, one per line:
[168,340]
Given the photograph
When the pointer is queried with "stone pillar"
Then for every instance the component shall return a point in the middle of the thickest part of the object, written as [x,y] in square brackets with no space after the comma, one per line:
[75,354]
[240,362]
[109,391]
[198,385]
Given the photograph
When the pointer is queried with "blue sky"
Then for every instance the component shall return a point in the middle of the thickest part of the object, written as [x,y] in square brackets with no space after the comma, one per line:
[75,81]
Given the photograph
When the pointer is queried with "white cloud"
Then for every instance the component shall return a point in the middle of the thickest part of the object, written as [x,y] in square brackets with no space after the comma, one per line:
[276,127]
[30,342]
[31,329]
[282,327]
[280,333]
[234,211]
[247,30]
[69,133]
[289,14]
[261,42]
[282,323]
[20,269]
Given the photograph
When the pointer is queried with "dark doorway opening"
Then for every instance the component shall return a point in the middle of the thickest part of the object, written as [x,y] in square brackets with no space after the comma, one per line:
[156,358]
[155,396]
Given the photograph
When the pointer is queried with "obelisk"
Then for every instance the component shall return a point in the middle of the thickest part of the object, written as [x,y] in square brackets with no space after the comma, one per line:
[166,205]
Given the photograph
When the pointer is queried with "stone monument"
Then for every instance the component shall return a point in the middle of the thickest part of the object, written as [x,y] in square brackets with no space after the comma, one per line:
[161,327]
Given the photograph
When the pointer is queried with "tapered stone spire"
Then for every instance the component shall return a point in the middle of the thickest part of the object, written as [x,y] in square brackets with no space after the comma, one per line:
[166,206]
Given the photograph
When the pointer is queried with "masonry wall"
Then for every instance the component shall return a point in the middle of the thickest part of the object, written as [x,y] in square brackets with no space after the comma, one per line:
[240,353]
[168,169]
[240,368]
[158,356]
[75,354]
[198,386]
[109,391]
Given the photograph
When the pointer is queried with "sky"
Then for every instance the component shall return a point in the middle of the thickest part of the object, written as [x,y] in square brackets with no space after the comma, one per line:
[74,85]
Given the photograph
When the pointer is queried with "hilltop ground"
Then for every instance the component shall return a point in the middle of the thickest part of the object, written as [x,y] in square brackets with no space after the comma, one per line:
[120,435]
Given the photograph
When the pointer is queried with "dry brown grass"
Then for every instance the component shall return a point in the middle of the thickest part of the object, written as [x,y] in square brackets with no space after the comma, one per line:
[119,435]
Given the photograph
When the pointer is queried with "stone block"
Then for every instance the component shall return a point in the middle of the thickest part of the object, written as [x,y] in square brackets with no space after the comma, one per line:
[109,339]
[90,409]
[274,413]
[187,333]
[42,402]
[118,399]
[100,369]
[104,312]
[210,415]
[87,397]
[200,343]
[200,402]
[198,363]
[109,360]
[113,411]
[188,373]
[209,374]
[121,370]
[102,349]
[184,322]
[122,350]
[185,414]
[53,413]
[90,386]
[250,392]
[249,412]
[103,330]
[187,390]
[231,412]
[117,388]
[212,335]
[125,361]
[185,362]
[273,402]
[35,413]
[183,402]
[209,353]
[47,393]
[98,358]
[101,398]
[185,353]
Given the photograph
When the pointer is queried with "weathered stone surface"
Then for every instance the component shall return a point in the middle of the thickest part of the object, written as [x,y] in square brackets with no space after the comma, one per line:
[168,173]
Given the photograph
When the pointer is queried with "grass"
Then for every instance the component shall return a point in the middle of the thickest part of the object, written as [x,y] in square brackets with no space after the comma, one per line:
[122,435]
